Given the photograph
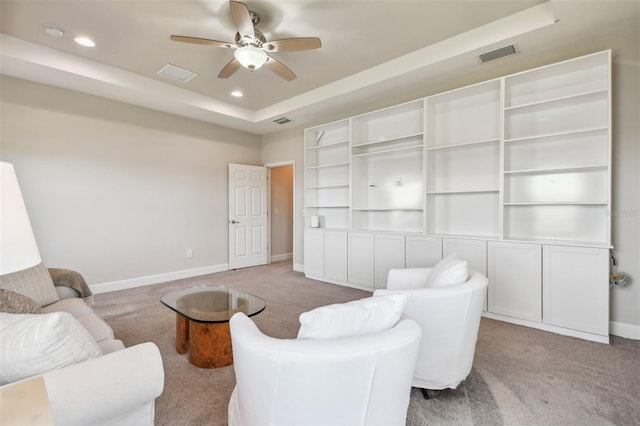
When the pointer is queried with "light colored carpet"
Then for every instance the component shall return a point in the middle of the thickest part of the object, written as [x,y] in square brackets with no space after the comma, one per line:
[520,376]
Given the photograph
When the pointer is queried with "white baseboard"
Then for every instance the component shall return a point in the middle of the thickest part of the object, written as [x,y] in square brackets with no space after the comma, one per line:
[280,257]
[298,267]
[156,279]
[622,329]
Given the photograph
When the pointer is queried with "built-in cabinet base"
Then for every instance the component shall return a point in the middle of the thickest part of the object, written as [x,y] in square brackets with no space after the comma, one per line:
[548,327]
[558,288]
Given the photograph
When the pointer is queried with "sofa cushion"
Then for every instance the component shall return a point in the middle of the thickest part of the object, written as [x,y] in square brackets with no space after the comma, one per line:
[111,345]
[33,344]
[34,282]
[92,322]
[357,318]
[448,272]
[16,303]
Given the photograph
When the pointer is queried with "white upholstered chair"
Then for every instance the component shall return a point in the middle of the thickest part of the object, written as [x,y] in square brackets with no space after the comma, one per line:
[364,380]
[449,317]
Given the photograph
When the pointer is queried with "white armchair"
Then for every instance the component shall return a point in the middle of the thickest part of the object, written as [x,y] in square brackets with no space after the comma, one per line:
[364,380]
[449,318]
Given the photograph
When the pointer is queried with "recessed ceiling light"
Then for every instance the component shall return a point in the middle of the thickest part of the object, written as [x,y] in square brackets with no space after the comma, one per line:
[237,94]
[84,41]
[54,31]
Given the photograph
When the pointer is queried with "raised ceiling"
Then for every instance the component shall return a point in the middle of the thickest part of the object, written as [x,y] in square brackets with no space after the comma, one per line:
[398,50]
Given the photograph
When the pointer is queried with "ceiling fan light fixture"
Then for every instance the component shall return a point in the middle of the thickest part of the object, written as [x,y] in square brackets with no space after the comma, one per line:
[250,57]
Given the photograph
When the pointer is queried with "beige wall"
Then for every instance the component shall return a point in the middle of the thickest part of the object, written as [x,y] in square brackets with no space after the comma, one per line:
[117,191]
[281,211]
[625,212]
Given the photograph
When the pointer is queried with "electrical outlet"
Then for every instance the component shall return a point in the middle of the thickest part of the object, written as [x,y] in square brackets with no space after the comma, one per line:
[398,181]
[189,254]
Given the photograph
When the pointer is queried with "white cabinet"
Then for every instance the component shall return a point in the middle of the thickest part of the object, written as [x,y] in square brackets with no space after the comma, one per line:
[576,288]
[314,253]
[387,187]
[325,255]
[515,280]
[335,256]
[474,251]
[422,252]
[361,260]
[390,253]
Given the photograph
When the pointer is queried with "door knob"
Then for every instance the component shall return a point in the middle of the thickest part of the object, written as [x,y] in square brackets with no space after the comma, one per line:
[233,221]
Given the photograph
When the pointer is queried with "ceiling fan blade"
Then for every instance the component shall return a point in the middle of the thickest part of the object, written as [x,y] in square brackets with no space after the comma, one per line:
[242,18]
[280,69]
[203,41]
[293,44]
[229,69]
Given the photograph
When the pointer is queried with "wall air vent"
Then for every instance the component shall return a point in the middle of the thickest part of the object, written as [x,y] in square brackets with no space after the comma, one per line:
[176,73]
[282,120]
[498,53]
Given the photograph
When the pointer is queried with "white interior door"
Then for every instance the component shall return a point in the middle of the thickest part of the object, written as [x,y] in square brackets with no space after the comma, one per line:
[247,216]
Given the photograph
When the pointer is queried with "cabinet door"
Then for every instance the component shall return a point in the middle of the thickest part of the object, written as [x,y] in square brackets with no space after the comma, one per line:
[361,259]
[515,280]
[314,253]
[389,250]
[335,255]
[576,288]
[475,251]
[422,252]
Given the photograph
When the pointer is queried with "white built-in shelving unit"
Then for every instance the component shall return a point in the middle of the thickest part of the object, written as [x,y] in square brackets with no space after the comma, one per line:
[387,191]
[514,173]
[327,165]
[463,161]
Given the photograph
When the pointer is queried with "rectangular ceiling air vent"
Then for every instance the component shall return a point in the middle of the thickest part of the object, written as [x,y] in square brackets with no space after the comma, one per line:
[176,73]
[498,53]
[282,120]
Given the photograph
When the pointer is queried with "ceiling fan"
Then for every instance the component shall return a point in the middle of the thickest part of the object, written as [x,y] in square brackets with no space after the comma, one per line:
[251,47]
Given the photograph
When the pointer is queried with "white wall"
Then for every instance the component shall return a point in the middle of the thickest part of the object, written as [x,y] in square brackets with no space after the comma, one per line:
[116,191]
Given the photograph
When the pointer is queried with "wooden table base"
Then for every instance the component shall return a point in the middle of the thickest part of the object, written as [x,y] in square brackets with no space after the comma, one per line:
[209,344]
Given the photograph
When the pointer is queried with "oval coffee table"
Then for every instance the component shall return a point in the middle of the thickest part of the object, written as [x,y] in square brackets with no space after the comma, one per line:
[202,321]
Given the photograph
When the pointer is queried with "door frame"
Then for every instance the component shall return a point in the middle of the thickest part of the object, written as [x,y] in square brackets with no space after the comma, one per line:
[270,166]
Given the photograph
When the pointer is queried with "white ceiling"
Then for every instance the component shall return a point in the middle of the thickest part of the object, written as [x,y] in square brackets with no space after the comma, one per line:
[374,53]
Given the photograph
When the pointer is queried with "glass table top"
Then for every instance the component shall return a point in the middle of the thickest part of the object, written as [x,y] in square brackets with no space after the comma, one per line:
[212,304]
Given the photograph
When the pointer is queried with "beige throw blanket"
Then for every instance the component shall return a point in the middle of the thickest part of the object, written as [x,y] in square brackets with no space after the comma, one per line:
[74,280]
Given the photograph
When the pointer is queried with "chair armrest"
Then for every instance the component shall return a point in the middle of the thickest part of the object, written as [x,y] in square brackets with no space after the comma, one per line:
[108,388]
[408,278]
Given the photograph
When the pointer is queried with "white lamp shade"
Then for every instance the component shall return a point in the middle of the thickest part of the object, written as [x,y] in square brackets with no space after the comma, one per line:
[250,57]
[18,248]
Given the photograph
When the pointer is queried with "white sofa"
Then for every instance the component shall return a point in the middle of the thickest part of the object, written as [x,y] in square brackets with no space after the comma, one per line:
[117,387]
[449,317]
